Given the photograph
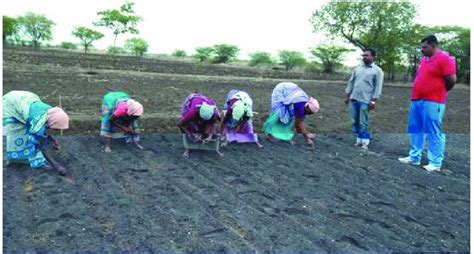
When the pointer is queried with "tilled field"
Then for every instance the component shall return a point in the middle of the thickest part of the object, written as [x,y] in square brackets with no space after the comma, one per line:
[281,197]
[333,198]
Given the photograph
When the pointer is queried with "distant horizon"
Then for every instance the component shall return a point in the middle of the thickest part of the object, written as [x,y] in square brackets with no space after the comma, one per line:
[264,25]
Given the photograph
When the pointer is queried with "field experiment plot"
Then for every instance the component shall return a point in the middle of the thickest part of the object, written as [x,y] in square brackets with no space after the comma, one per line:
[335,197]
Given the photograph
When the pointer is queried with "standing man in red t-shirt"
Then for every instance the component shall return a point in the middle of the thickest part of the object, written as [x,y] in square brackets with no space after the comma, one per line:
[436,75]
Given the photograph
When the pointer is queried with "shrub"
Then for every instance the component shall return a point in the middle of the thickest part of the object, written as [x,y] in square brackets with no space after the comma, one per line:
[179,53]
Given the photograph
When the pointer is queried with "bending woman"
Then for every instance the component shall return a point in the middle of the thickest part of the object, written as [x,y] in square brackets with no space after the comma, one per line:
[289,106]
[199,115]
[26,121]
[119,118]
[237,123]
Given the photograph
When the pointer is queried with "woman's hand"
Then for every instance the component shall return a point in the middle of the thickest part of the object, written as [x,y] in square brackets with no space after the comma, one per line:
[208,139]
[55,144]
[60,169]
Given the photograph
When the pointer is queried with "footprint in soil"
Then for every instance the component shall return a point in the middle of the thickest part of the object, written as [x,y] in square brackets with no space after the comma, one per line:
[311,176]
[295,211]
[353,241]
[253,164]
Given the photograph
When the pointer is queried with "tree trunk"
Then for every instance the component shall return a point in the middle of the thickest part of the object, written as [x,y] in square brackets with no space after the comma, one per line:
[115,39]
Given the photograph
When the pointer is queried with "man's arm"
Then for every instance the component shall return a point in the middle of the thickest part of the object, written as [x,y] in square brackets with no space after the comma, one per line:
[378,85]
[350,86]
[450,81]
[377,89]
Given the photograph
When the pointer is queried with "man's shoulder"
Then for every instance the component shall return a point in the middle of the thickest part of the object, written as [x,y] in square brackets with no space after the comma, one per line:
[376,67]
[444,56]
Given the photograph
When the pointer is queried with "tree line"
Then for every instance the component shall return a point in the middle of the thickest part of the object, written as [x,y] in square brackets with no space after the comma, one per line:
[388,27]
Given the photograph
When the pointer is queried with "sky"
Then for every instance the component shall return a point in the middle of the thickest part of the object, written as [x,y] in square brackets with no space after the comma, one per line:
[264,25]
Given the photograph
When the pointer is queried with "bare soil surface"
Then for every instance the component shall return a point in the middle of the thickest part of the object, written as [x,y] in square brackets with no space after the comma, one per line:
[336,197]
[282,197]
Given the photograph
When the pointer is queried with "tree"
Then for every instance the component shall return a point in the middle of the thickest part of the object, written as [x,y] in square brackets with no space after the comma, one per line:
[260,57]
[453,39]
[179,53]
[203,53]
[9,27]
[115,50]
[224,53]
[87,36]
[68,45]
[136,45]
[329,56]
[383,26]
[35,27]
[120,21]
[456,41]
[291,59]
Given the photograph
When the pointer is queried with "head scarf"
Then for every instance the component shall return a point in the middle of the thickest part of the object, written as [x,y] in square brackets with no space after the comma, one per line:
[134,108]
[238,110]
[206,111]
[57,119]
[313,105]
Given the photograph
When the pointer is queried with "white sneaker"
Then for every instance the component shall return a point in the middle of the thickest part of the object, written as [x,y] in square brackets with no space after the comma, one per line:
[407,160]
[358,143]
[364,147]
[430,167]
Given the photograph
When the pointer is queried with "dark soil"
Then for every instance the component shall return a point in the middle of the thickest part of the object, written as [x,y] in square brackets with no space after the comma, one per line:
[333,198]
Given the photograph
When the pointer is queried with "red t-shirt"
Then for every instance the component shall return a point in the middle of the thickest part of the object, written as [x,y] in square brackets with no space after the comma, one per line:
[429,81]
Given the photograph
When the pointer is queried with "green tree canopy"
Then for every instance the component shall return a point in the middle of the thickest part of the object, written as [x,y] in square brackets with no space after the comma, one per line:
[291,59]
[203,53]
[179,53]
[260,57]
[120,21]
[456,41]
[35,27]
[224,53]
[68,45]
[9,27]
[329,56]
[87,36]
[383,26]
[136,45]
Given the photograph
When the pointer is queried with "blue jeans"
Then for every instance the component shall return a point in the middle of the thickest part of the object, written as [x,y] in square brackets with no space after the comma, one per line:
[425,119]
[360,120]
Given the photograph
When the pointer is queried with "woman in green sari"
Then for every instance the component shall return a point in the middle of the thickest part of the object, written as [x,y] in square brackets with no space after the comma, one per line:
[26,120]
[289,106]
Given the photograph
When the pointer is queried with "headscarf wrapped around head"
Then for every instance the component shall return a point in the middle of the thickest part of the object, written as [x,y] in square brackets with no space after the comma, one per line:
[240,109]
[313,105]
[206,111]
[57,119]
[134,108]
